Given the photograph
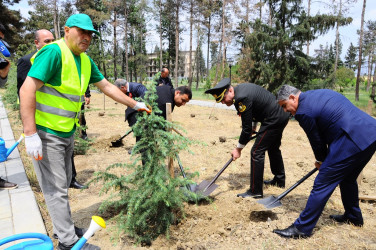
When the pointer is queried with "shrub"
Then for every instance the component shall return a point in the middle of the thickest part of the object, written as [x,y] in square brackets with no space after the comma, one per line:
[148,200]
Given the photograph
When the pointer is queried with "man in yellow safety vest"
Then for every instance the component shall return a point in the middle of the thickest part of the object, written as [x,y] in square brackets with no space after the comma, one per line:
[50,101]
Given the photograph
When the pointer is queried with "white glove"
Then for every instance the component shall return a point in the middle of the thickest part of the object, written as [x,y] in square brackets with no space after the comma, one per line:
[140,106]
[33,146]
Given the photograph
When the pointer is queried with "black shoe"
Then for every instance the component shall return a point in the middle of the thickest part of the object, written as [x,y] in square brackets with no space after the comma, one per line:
[275,182]
[343,219]
[79,232]
[250,194]
[7,185]
[87,246]
[290,232]
[76,185]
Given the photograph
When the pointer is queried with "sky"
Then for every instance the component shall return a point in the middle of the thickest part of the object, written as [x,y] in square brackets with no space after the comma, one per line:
[348,34]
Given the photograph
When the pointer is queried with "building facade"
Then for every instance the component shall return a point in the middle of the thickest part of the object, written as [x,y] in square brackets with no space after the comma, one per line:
[184,64]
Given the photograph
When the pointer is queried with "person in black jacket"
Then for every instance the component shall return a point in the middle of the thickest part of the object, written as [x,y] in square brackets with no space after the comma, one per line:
[177,97]
[42,37]
[164,79]
[255,104]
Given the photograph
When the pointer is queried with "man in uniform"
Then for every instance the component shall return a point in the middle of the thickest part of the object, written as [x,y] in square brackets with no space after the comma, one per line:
[255,104]
[343,140]
[51,99]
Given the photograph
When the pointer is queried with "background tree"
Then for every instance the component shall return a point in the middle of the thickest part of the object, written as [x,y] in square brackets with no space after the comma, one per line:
[350,58]
[340,8]
[275,50]
[360,52]
[370,48]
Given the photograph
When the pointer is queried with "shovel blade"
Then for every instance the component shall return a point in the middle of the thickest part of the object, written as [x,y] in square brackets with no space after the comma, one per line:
[203,188]
[117,144]
[270,202]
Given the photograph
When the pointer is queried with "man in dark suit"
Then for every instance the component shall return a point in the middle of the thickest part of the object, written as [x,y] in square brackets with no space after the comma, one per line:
[343,140]
[256,104]
[177,97]
[42,37]
[164,79]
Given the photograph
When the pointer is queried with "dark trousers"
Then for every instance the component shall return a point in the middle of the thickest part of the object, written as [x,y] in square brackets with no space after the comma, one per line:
[332,174]
[82,119]
[269,140]
[74,173]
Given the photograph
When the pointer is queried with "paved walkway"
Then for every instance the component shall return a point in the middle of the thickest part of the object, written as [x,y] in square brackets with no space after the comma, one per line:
[19,212]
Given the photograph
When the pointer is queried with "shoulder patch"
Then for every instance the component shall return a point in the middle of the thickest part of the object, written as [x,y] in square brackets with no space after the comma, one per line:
[242,107]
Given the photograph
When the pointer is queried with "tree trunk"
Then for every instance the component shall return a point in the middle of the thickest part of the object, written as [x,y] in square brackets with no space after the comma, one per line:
[208,52]
[360,52]
[260,10]
[177,42]
[126,40]
[115,44]
[223,38]
[370,67]
[337,45]
[190,46]
[56,20]
[197,61]
[308,14]
[102,54]
[160,37]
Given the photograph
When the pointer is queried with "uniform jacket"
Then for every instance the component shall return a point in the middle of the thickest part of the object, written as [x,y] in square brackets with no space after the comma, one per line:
[333,124]
[23,67]
[256,104]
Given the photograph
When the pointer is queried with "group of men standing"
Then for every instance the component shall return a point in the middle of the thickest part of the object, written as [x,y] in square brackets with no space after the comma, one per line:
[53,91]
[342,138]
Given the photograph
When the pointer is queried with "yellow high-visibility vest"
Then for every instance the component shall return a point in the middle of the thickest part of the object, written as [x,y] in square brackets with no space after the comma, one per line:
[58,107]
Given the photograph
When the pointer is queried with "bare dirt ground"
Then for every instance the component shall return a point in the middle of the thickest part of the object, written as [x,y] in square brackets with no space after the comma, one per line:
[228,222]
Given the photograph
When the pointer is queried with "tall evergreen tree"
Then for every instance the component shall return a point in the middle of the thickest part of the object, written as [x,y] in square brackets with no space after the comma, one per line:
[148,200]
[350,58]
[276,51]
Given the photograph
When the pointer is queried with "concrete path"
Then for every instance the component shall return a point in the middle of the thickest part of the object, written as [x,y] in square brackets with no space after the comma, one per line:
[19,212]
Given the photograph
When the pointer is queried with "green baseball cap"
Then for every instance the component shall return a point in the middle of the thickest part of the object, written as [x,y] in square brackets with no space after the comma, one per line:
[82,21]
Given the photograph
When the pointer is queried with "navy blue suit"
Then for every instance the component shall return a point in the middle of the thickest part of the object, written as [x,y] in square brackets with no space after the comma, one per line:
[165,95]
[135,90]
[344,138]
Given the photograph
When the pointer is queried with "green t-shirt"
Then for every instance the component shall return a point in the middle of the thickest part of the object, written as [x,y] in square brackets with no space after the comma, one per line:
[47,68]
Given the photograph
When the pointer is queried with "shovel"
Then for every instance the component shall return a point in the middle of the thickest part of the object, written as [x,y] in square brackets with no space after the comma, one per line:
[190,187]
[205,187]
[119,143]
[272,201]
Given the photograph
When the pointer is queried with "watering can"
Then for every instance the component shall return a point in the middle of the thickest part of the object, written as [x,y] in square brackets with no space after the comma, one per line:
[5,152]
[43,242]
